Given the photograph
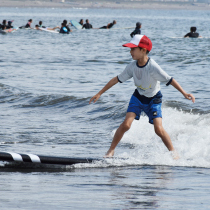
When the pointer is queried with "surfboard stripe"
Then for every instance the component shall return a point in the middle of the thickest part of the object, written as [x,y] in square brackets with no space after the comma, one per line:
[10,156]
[16,157]
[34,158]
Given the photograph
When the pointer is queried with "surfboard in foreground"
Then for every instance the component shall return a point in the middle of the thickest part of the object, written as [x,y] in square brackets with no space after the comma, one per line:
[76,24]
[40,159]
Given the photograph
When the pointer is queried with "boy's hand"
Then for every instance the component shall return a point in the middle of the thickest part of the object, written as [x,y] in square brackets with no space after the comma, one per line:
[95,98]
[190,97]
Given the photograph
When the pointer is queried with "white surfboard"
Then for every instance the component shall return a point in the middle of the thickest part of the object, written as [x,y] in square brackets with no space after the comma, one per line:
[47,30]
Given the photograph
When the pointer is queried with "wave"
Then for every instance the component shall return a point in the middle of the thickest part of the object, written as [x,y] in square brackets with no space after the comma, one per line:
[141,146]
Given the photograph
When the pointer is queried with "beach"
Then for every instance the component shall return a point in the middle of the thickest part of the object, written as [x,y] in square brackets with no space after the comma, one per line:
[108,4]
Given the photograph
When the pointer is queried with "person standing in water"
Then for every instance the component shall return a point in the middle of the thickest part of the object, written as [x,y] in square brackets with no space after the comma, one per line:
[87,25]
[137,29]
[147,97]
[81,22]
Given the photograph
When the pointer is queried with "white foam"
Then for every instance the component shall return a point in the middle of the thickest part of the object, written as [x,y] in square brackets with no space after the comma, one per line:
[189,133]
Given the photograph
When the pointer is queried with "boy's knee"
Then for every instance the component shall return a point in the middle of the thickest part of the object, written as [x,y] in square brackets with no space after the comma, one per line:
[159,130]
[125,126]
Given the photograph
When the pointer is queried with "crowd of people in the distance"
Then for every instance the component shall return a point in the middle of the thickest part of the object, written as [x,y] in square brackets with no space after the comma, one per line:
[65,27]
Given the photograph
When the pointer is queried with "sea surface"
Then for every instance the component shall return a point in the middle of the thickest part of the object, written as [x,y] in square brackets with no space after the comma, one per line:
[46,83]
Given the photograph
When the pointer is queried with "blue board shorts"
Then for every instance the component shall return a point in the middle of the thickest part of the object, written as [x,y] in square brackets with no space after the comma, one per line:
[151,106]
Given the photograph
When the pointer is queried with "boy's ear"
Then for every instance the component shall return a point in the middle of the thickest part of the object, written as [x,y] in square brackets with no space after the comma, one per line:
[145,50]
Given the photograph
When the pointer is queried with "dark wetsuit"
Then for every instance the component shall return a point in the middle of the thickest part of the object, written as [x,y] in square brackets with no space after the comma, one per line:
[3,27]
[87,26]
[64,30]
[136,31]
[192,35]
[28,25]
[68,28]
[107,27]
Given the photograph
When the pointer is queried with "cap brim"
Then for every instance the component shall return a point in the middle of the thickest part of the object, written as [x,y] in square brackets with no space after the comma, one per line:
[130,45]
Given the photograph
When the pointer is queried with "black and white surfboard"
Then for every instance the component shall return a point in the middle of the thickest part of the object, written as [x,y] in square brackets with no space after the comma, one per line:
[30,158]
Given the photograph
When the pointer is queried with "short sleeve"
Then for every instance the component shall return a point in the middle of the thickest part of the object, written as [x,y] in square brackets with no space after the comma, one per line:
[126,74]
[159,74]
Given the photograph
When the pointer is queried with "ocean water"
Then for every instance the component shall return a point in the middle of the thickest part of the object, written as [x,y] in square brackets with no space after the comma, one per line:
[46,83]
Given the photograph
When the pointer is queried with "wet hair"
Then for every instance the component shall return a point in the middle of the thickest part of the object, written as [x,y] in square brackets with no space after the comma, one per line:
[193,29]
[9,23]
[36,25]
[40,23]
[30,20]
[138,24]
[144,48]
[65,22]
[87,20]
[114,21]
[4,22]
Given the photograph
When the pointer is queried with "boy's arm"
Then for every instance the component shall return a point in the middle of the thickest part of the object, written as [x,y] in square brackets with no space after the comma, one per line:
[180,89]
[111,83]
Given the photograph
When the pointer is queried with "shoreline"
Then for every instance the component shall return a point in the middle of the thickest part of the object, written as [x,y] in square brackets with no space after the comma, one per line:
[107,4]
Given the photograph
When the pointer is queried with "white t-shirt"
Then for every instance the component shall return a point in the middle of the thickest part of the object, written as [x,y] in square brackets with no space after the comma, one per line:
[146,78]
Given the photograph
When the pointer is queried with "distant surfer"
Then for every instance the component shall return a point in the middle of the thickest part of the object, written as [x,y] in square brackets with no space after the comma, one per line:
[109,25]
[37,27]
[147,97]
[9,24]
[40,25]
[192,33]
[87,25]
[63,29]
[28,25]
[4,25]
[81,22]
[137,29]
[65,25]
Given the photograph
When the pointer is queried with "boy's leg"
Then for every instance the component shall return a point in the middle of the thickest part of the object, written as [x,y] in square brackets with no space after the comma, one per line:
[125,126]
[160,131]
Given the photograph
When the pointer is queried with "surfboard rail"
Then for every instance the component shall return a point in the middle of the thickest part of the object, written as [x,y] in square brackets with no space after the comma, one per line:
[40,159]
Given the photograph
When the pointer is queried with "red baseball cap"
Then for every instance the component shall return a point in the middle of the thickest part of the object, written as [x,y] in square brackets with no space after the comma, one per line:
[140,41]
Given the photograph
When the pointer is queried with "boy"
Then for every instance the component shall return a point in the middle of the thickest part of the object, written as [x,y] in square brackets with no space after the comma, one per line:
[147,75]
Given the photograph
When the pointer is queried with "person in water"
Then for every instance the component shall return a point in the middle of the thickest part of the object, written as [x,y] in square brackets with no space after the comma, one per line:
[65,24]
[192,33]
[109,25]
[37,27]
[147,97]
[4,25]
[137,29]
[63,29]
[40,25]
[28,25]
[9,24]
[87,25]
[81,22]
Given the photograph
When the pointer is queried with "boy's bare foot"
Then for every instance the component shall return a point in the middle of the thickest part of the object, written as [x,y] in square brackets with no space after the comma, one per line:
[110,153]
[175,155]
